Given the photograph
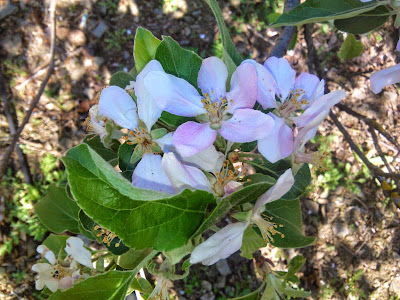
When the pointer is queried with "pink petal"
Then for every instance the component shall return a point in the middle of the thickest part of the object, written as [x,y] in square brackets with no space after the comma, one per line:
[284,75]
[173,94]
[115,103]
[278,144]
[384,78]
[266,85]
[243,93]
[150,175]
[191,138]
[280,188]
[212,77]
[320,106]
[246,125]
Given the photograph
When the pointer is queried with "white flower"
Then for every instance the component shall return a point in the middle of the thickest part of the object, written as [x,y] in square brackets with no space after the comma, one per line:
[46,253]
[229,239]
[53,276]
[95,123]
[77,252]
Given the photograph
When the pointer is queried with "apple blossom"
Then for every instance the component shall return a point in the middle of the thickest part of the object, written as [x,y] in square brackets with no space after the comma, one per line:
[228,113]
[77,252]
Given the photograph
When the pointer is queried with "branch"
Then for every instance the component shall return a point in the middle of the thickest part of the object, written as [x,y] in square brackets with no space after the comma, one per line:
[35,101]
[21,156]
[287,35]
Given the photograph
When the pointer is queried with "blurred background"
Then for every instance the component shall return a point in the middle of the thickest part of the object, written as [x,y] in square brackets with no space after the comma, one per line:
[355,218]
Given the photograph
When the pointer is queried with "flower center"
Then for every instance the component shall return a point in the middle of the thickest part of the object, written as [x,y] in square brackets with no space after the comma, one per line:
[267,228]
[292,103]
[215,109]
[317,159]
[141,137]
[58,272]
[223,178]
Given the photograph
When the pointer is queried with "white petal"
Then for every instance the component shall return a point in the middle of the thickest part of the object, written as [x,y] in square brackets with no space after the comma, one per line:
[52,285]
[212,77]
[46,253]
[150,175]
[384,78]
[284,75]
[209,160]
[148,110]
[78,252]
[184,177]
[39,284]
[280,188]
[220,245]
[173,94]
[166,143]
[116,104]
[42,268]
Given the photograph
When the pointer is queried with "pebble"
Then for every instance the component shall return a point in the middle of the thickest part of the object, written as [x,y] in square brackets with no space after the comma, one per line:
[221,281]
[68,105]
[223,267]
[77,38]
[340,229]
[208,296]
[100,29]
[395,286]
[206,285]
[7,10]
[50,106]
[62,33]
[312,206]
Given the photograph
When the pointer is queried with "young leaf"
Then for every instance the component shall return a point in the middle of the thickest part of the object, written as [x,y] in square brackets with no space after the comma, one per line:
[121,79]
[251,243]
[313,11]
[365,22]
[135,259]
[144,48]
[141,218]
[178,61]
[57,211]
[107,154]
[230,52]
[112,285]
[288,214]
[350,48]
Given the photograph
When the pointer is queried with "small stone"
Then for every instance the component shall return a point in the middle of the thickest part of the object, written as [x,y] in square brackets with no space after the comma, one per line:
[395,286]
[312,207]
[391,97]
[223,267]
[340,229]
[47,146]
[97,62]
[62,33]
[208,296]
[126,55]
[7,10]
[13,45]
[221,281]
[89,92]
[77,38]
[100,29]
[50,106]
[206,285]
[69,105]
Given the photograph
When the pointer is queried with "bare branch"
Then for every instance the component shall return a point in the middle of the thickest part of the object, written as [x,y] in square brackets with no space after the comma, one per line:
[287,35]
[35,101]
[21,156]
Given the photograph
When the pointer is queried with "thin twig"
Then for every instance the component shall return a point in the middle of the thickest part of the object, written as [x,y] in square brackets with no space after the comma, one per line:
[35,101]
[21,156]
[287,34]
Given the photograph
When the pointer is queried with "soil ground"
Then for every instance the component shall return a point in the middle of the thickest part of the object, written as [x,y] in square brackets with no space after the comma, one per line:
[357,253]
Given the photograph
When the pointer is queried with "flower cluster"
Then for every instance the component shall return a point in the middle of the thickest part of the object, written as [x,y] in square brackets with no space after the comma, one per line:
[170,162]
[62,274]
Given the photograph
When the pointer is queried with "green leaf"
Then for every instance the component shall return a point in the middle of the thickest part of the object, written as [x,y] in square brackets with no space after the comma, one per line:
[121,79]
[177,254]
[144,48]
[124,160]
[302,180]
[350,48]
[252,241]
[251,296]
[115,246]
[107,154]
[248,147]
[244,195]
[112,285]
[313,11]
[230,49]
[365,22]
[173,121]
[178,61]
[55,243]
[141,285]
[141,218]
[264,166]
[135,259]
[57,211]
[257,178]
[288,214]
[295,265]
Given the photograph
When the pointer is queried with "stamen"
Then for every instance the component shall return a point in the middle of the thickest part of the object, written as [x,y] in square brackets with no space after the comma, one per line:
[108,236]
[317,159]
[267,228]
